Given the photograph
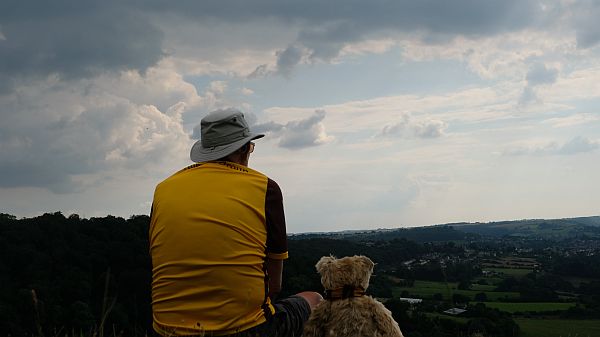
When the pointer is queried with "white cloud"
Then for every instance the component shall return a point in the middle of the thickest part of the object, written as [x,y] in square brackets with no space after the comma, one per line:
[299,133]
[543,148]
[375,46]
[65,135]
[408,127]
[247,91]
[217,87]
[581,83]
[161,86]
[573,120]
[469,105]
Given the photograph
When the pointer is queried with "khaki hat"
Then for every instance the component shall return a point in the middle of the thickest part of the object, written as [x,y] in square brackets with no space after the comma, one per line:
[221,133]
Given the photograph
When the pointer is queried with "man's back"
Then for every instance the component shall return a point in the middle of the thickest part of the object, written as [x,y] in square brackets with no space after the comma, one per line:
[208,241]
[218,241]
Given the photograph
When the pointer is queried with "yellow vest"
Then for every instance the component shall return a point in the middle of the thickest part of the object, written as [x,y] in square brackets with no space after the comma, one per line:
[208,239]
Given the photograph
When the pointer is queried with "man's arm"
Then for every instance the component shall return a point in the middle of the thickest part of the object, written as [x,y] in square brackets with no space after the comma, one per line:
[276,237]
[274,270]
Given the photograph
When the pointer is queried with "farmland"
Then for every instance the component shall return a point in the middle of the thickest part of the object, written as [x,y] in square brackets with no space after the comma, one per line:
[428,289]
[515,307]
[558,328]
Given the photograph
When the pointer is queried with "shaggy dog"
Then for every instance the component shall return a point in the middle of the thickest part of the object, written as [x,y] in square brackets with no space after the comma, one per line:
[346,311]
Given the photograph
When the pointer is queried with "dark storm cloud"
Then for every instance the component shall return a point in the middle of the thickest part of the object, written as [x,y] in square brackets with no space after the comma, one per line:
[344,19]
[73,39]
[326,26]
[76,39]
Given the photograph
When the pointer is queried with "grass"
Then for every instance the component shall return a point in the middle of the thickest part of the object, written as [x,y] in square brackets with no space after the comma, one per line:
[516,272]
[482,287]
[577,281]
[429,288]
[525,307]
[452,318]
[559,328]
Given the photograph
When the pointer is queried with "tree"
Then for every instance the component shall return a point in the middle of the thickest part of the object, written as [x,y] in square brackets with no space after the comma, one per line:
[460,299]
[480,297]
[464,285]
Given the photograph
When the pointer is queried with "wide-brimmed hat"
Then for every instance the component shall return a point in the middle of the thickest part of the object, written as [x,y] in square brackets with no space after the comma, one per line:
[221,133]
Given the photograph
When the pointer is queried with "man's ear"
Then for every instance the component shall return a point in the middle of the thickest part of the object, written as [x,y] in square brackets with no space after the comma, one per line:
[324,263]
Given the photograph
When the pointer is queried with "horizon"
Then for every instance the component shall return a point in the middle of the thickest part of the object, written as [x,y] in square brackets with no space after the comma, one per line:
[349,230]
[375,115]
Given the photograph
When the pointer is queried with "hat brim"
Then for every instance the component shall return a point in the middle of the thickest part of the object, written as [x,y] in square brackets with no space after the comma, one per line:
[201,154]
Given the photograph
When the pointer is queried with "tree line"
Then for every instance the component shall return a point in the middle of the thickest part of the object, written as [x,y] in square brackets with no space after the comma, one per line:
[70,275]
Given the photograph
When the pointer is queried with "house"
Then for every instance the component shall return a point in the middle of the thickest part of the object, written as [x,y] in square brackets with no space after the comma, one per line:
[454,311]
[411,300]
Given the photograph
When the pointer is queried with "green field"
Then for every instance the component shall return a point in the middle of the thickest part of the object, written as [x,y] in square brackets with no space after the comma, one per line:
[493,281]
[516,272]
[443,316]
[559,328]
[428,289]
[524,307]
[482,288]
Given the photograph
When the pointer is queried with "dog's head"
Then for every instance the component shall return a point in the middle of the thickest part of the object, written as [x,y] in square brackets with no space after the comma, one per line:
[347,271]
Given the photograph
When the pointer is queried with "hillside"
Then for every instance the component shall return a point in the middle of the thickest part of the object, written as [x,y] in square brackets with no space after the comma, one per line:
[581,227]
[537,228]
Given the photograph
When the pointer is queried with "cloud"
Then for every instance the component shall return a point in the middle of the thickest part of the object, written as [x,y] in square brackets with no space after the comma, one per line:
[585,21]
[260,71]
[578,145]
[359,20]
[74,42]
[572,120]
[297,134]
[247,91]
[135,36]
[409,128]
[573,146]
[538,74]
[67,137]
[313,31]
[287,59]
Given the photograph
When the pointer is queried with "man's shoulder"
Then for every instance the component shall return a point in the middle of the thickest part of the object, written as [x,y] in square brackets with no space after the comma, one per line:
[273,185]
[208,168]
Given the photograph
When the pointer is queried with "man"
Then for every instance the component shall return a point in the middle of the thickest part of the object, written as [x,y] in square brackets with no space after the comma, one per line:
[218,241]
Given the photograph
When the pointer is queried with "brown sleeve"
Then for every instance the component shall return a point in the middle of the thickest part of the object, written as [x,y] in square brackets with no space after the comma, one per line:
[276,233]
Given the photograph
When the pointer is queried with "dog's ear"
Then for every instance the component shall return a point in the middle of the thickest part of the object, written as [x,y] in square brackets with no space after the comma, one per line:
[324,263]
[367,263]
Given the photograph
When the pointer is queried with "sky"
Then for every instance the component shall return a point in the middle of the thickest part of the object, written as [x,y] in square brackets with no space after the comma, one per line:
[377,114]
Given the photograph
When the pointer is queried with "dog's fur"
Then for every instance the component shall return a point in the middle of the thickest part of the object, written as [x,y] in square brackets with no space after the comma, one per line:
[350,317]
